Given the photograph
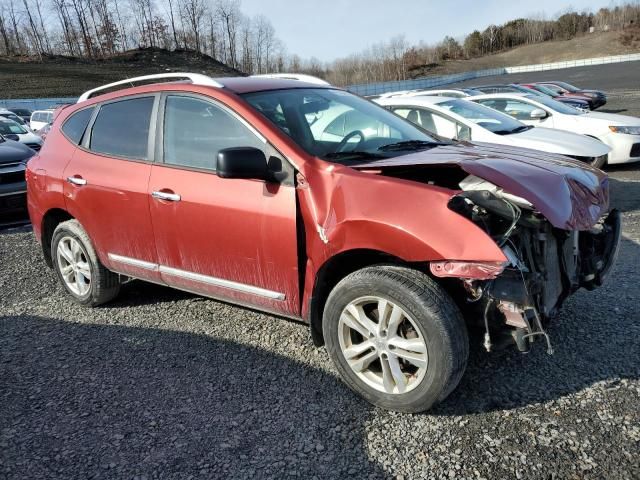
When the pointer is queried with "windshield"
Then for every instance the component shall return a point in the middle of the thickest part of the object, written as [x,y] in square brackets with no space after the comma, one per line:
[8,127]
[336,125]
[567,86]
[485,117]
[524,89]
[545,90]
[558,106]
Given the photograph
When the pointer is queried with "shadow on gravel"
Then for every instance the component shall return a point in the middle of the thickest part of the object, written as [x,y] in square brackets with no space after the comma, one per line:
[612,110]
[96,401]
[594,341]
[625,195]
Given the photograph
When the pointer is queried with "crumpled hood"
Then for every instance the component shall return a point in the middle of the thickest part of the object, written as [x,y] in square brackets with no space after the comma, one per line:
[570,194]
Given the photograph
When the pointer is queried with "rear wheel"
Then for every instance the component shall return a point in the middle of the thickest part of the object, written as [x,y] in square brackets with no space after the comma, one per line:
[78,267]
[396,337]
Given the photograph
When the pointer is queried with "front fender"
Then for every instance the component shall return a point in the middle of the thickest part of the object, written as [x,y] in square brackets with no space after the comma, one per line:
[409,220]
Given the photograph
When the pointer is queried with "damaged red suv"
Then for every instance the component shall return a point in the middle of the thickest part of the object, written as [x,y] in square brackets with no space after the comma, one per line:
[309,202]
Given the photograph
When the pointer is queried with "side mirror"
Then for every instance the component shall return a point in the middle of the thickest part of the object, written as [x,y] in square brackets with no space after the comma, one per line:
[243,162]
[538,114]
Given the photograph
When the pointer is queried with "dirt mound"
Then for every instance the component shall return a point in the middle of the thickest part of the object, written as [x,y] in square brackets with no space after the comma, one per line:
[62,76]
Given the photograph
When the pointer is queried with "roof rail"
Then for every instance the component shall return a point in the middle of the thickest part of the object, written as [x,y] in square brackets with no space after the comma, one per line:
[196,79]
[294,76]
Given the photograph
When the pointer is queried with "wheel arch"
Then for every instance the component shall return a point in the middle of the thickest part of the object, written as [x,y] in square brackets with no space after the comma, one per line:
[50,221]
[335,269]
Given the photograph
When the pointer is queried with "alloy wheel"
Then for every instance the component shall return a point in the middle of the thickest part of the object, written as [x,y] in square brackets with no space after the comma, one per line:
[74,266]
[383,345]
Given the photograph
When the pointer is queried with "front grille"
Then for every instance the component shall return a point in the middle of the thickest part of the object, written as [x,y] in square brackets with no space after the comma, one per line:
[13,173]
[13,202]
[635,150]
[34,146]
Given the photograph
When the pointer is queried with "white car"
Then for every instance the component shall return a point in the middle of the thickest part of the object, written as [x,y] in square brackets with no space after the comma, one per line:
[14,131]
[620,132]
[460,119]
[441,92]
[4,113]
[40,118]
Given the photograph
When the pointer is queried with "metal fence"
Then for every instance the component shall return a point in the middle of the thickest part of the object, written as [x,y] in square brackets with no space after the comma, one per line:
[35,103]
[430,82]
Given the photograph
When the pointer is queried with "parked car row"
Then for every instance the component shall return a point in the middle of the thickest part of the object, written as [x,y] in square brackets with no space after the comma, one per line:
[389,233]
[534,105]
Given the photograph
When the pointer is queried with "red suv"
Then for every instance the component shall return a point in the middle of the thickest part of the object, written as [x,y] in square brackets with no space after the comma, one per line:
[312,203]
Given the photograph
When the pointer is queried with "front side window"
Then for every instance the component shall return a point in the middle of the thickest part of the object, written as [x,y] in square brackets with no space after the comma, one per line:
[435,123]
[557,90]
[76,124]
[487,118]
[196,130]
[122,128]
[339,126]
[558,106]
[514,108]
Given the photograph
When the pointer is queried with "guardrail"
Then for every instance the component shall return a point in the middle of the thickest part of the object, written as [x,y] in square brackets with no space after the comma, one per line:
[430,82]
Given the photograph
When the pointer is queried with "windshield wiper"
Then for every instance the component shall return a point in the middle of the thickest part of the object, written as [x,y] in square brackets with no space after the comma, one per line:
[411,145]
[353,154]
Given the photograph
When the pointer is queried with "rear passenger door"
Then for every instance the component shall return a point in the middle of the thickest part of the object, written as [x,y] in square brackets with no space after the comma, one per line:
[106,184]
[225,238]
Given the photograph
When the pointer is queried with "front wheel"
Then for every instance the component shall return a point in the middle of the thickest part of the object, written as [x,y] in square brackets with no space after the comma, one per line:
[396,337]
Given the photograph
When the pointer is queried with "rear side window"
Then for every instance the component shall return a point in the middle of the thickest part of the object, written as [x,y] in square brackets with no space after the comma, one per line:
[122,128]
[76,124]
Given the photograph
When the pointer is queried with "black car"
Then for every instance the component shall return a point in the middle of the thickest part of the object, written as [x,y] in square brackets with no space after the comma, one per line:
[23,113]
[13,187]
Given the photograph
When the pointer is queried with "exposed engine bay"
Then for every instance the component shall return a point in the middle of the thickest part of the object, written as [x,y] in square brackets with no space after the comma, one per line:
[514,302]
[545,264]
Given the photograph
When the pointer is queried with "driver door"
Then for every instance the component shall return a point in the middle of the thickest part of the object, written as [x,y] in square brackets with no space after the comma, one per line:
[226,238]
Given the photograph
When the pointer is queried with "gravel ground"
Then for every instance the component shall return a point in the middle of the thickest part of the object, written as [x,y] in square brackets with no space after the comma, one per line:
[163,384]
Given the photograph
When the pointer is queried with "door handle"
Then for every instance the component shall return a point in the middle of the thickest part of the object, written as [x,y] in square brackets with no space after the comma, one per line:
[169,196]
[76,180]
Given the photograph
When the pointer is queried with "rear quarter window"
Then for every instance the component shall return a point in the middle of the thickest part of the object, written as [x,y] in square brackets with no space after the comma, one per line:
[75,126]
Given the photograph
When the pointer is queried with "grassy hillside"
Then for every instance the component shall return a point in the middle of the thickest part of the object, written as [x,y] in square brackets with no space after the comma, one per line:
[588,46]
[58,76]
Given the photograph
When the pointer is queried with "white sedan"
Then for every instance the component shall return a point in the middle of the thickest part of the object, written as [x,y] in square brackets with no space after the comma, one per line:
[620,132]
[460,119]
[14,131]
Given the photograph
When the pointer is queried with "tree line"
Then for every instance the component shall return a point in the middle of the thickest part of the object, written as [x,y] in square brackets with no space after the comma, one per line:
[100,28]
[96,29]
[396,59]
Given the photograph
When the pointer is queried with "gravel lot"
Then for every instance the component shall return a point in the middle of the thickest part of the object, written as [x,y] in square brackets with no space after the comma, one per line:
[164,384]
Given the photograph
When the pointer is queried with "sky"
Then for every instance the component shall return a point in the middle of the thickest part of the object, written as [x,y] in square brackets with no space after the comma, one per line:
[329,29]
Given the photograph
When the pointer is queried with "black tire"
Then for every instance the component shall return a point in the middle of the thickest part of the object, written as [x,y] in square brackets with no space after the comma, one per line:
[435,314]
[104,286]
[600,162]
